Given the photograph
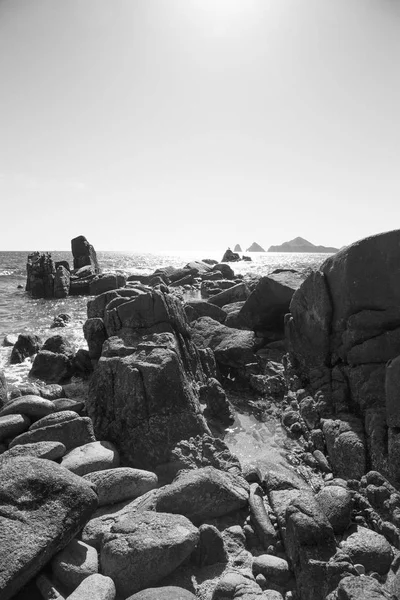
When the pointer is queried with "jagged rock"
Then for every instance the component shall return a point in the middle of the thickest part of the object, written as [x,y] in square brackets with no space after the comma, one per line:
[217,404]
[43,508]
[234,293]
[232,347]
[203,451]
[195,309]
[84,254]
[60,320]
[119,484]
[40,275]
[26,345]
[230,256]
[62,281]
[268,303]
[140,551]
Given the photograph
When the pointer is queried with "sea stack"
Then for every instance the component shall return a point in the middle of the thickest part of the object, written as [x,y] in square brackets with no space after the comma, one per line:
[84,254]
[255,248]
[237,248]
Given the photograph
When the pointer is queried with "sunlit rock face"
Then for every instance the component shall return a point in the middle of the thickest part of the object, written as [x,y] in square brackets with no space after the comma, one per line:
[144,395]
[343,328]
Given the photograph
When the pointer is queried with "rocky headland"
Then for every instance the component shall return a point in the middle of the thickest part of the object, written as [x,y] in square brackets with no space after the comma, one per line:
[131,490]
[299,244]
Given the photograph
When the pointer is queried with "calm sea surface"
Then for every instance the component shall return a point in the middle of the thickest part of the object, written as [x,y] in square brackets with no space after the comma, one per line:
[19,313]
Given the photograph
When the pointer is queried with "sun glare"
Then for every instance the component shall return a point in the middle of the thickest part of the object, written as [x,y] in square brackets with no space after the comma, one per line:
[223,16]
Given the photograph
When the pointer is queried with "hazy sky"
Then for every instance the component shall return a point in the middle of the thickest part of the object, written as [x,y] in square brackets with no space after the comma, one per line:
[167,124]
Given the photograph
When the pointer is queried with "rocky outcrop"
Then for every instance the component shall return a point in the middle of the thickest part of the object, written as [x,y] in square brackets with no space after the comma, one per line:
[41,274]
[26,345]
[84,254]
[255,248]
[54,362]
[237,248]
[299,244]
[62,282]
[230,256]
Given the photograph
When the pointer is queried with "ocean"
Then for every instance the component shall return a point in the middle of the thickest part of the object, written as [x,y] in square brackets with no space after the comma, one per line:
[19,313]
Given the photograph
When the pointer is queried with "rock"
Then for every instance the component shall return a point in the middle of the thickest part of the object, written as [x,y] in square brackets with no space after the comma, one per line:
[268,303]
[54,418]
[48,450]
[274,569]
[235,293]
[320,458]
[46,588]
[43,508]
[74,563]
[140,551]
[230,256]
[62,282]
[95,456]
[199,308]
[60,320]
[237,248]
[168,592]
[260,519]
[13,424]
[203,494]
[357,588]
[368,548]
[96,587]
[54,362]
[145,402]
[41,272]
[3,389]
[95,334]
[210,549]
[218,406]
[106,282]
[226,270]
[84,254]
[255,248]
[337,504]
[26,345]
[124,483]
[82,363]
[203,451]
[10,340]
[74,404]
[72,433]
[346,447]
[392,386]
[30,406]
[232,347]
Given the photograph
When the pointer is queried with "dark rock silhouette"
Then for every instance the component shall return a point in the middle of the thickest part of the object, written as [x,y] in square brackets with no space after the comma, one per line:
[84,254]
[299,244]
[230,256]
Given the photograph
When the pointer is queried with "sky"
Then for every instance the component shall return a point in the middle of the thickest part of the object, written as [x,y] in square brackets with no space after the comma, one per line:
[181,124]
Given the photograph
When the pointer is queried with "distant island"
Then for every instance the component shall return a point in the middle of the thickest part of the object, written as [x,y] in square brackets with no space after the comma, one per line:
[299,244]
[237,248]
[255,248]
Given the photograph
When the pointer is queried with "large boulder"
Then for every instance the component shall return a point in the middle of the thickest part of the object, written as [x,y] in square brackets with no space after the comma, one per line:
[145,402]
[141,550]
[43,508]
[343,328]
[230,256]
[368,548]
[232,347]
[106,282]
[25,346]
[41,273]
[268,303]
[84,254]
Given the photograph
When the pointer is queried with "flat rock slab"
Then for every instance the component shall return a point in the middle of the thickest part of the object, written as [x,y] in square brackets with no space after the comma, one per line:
[202,494]
[95,587]
[95,456]
[73,433]
[49,450]
[31,406]
[124,483]
[169,592]
[141,550]
[12,425]
[74,563]
[43,506]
